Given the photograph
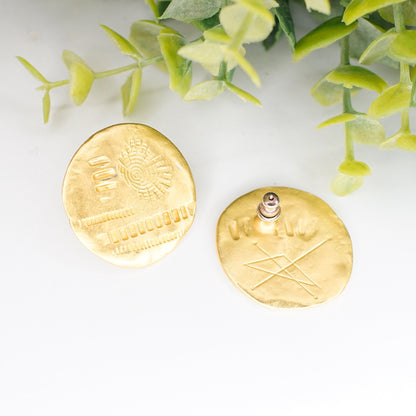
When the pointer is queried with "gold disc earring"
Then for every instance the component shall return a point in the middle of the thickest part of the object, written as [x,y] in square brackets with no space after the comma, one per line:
[284,248]
[129,195]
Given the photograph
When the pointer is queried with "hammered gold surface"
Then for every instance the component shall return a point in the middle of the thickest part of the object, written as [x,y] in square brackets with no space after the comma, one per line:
[129,195]
[302,259]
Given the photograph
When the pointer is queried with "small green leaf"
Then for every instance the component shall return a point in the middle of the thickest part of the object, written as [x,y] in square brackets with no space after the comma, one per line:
[122,43]
[354,168]
[143,36]
[210,55]
[130,91]
[46,104]
[366,131]
[377,49]
[273,37]
[244,95]
[206,24]
[322,36]
[390,142]
[206,90]
[286,22]
[179,68]
[188,10]
[81,77]
[406,141]
[344,184]
[247,68]
[391,101]
[32,69]
[359,8]
[327,93]
[403,47]
[408,9]
[356,76]
[340,118]
[233,17]
[259,8]
[321,6]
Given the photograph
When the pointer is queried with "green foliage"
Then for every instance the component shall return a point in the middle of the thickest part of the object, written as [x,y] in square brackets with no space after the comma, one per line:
[403,47]
[81,77]
[369,31]
[189,10]
[360,8]
[343,185]
[285,21]
[355,76]
[130,91]
[391,101]
[122,43]
[322,36]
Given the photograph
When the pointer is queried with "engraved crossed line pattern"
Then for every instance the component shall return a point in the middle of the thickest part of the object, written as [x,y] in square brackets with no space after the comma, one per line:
[305,282]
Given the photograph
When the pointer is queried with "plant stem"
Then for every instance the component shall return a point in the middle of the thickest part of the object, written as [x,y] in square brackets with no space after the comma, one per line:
[239,36]
[116,71]
[346,99]
[404,67]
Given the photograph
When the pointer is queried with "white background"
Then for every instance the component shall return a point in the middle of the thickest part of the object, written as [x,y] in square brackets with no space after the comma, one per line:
[82,337]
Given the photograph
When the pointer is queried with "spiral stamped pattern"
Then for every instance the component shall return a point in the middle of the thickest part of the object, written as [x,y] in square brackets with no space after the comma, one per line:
[145,171]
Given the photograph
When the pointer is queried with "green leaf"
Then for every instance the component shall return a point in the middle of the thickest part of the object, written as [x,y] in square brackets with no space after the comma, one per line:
[247,68]
[286,22]
[366,131]
[32,69]
[359,8]
[206,90]
[403,47]
[81,77]
[377,49]
[409,13]
[244,95]
[162,5]
[232,18]
[356,76]
[322,36]
[391,101]
[340,118]
[188,10]
[407,141]
[327,93]
[390,142]
[46,106]
[180,69]
[130,91]
[321,6]
[354,168]
[367,31]
[122,43]
[259,8]
[273,37]
[143,36]
[206,24]
[344,184]
[210,55]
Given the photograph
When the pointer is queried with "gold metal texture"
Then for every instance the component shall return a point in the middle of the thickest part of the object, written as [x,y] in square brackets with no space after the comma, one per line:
[303,258]
[129,195]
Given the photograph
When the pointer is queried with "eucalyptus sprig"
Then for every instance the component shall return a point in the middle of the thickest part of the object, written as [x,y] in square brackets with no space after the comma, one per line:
[367,30]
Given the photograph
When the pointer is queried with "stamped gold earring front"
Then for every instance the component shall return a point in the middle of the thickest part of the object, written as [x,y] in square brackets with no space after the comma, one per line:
[284,248]
[129,195]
